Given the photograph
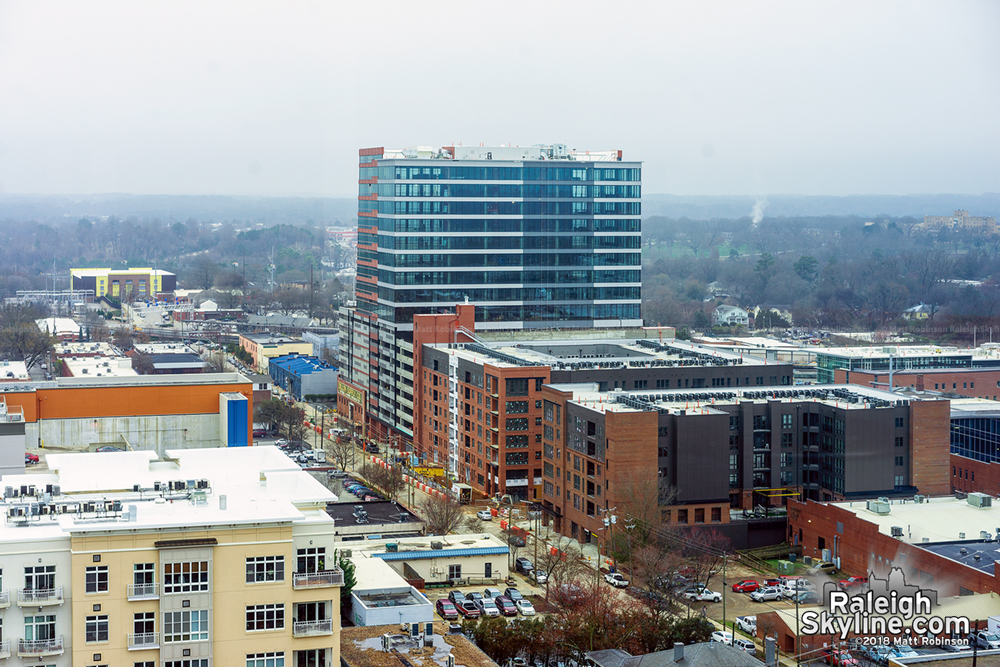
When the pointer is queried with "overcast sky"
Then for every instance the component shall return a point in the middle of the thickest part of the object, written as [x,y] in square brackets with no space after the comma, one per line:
[248,98]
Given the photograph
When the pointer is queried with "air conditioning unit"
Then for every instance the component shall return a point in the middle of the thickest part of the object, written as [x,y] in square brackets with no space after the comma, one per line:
[919,499]
[980,500]
[437,545]
[897,531]
[878,506]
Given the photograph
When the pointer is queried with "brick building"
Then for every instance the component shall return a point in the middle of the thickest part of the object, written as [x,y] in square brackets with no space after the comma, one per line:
[947,544]
[840,364]
[972,382]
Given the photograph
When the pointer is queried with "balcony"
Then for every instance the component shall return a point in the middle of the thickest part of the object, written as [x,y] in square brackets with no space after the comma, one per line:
[40,648]
[4,599]
[143,640]
[312,628]
[322,579]
[143,591]
[39,597]
[4,649]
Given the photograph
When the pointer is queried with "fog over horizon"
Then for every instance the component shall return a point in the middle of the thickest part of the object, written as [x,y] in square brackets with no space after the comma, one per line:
[721,98]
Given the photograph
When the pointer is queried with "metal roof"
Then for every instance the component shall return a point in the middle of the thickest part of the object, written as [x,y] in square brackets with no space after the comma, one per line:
[440,553]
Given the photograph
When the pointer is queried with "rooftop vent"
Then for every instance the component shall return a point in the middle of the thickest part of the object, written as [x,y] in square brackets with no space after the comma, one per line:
[879,506]
[897,531]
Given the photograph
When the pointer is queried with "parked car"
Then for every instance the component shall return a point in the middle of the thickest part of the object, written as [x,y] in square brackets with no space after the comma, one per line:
[516,541]
[487,607]
[505,605]
[30,459]
[569,594]
[776,583]
[617,580]
[844,659]
[446,609]
[474,596]
[793,587]
[704,596]
[984,639]
[281,442]
[722,637]
[746,586]
[468,609]
[456,597]
[860,583]
[770,593]
[513,593]
[110,448]
[523,565]
[956,645]
[806,597]
[492,593]
[524,607]
[878,654]
[747,624]
[539,576]
[485,515]
[825,567]
[745,645]
[903,651]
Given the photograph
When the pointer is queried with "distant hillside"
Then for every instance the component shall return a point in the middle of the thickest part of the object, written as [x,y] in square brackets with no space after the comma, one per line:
[269,210]
[706,207]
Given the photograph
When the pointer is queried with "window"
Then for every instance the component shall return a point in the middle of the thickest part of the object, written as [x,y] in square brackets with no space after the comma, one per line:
[39,628]
[97,579]
[97,628]
[146,663]
[311,559]
[265,568]
[266,659]
[454,572]
[40,577]
[185,577]
[899,441]
[899,460]
[899,480]
[899,422]
[786,421]
[185,626]
[142,573]
[266,617]
[315,657]
[144,623]
[192,662]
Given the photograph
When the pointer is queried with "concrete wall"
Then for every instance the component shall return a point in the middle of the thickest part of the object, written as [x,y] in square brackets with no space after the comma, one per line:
[436,569]
[154,432]
[416,613]
[12,446]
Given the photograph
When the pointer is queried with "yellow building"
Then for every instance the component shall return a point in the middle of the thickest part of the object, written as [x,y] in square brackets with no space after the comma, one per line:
[201,558]
[126,284]
[265,346]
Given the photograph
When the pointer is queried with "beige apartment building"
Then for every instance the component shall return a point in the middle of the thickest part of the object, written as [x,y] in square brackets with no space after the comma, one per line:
[200,558]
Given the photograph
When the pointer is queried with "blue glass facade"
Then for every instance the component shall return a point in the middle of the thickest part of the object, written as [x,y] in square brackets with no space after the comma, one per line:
[976,438]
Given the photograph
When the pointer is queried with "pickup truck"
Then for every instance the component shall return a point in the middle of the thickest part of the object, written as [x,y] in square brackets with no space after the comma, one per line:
[616,580]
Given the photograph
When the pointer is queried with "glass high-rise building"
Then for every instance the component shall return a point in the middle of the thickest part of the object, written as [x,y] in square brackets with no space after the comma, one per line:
[536,237]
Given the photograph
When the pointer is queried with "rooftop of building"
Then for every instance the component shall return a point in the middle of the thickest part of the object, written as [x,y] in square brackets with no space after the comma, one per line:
[136,381]
[162,362]
[428,546]
[163,348]
[500,153]
[100,366]
[59,325]
[278,320]
[301,364]
[903,352]
[91,348]
[695,401]
[13,371]
[85,492]
[598,353]
[703,654]
[932,520]
[362,647]
[269,338]
[964,407]
[132,270]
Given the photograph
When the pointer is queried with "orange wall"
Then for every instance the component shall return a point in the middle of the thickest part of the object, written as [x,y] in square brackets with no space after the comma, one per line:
[100,402]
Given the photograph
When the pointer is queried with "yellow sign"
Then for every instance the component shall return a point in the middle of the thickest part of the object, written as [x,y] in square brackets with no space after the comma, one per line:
[429,471]
[350,392]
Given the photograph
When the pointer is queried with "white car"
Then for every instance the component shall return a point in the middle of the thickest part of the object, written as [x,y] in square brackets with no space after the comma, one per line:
[747,624]
[745,645]
[616,580]
[722,637]
[488,607]
[539,576]
[793,587]
[769,593]
[704,596]
[524,607]
[485,515]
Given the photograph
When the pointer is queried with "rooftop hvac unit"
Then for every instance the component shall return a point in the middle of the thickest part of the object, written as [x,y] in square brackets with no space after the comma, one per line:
[925,540]
[985,535]
[878,506]
[437,545]
[157,486]
[897,531]
[56,489]
[980,500]
[391,547]
[136,488]
[8,492]
[919,499]
[961,536]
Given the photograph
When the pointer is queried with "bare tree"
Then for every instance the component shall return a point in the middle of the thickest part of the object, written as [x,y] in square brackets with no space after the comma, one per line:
[561,561]
[25,342]
[387,479]
[442,515]
[342,451]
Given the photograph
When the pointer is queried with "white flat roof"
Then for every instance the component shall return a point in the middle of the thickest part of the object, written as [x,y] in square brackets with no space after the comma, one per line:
[86,367]
[261,485]
[90,348]
[937,519]
[13,370]
[375,574]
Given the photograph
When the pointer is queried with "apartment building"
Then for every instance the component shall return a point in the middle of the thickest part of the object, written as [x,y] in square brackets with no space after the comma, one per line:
[125,284]
[708,451]
[536,237]
[199,558]
[864,365]
[263,347]
[478,403]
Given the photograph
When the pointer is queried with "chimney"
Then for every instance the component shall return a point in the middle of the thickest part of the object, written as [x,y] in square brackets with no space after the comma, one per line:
[678,652]
[920,383]
[770,652]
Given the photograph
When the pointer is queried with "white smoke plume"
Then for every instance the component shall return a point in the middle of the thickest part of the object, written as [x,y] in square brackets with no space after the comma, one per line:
[758,210]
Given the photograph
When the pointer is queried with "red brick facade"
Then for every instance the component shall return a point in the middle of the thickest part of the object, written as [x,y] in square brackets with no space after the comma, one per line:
[978,382]
[930,446]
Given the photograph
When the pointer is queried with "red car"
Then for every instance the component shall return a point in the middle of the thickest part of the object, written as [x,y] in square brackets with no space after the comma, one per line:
[446,610]
[844,659]
[505,605]
[776,583]
[30,458]
[468,609]
[746,586]
[854,582]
